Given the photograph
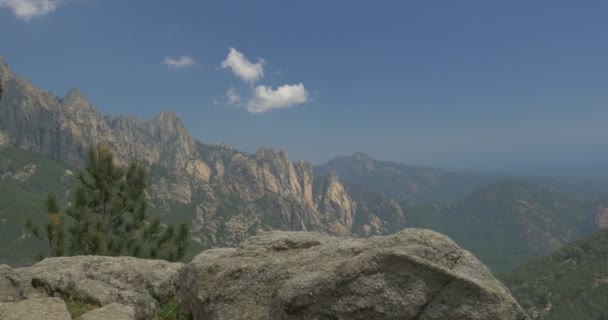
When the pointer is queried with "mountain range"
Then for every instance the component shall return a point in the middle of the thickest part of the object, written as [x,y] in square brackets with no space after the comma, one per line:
[504,219]
[227,195]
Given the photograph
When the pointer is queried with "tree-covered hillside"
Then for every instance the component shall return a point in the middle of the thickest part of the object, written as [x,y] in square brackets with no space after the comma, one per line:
[25,180]
[571,283]
[507,223]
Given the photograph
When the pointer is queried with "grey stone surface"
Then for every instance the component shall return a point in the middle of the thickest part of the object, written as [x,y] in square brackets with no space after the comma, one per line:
[140,283]
[15,285]
[113,311]
[35,309]
[413,274]
[10,286]
[104,280]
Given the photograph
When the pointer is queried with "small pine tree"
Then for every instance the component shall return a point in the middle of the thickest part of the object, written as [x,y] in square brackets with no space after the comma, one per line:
[108,216]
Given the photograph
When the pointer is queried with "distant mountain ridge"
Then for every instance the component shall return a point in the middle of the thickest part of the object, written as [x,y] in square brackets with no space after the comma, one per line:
[398,181]
[432,185]
[226,194]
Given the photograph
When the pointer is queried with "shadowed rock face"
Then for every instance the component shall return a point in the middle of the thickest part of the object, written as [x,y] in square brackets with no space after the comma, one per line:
[413,274]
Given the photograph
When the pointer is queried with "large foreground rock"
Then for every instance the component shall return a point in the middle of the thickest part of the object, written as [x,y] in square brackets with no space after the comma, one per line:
[139,284]
[414,274]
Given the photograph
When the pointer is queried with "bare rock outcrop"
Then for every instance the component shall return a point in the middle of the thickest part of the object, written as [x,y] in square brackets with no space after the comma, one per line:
[35,309]
[139,284]
[599,219]
[413,274]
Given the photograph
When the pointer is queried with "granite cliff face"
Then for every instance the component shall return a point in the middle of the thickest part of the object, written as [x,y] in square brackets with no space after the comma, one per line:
[62,128]
[227,194]
[236,195]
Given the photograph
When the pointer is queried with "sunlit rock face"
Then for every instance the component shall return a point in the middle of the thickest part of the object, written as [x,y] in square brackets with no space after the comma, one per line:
[413,274]
[226,195]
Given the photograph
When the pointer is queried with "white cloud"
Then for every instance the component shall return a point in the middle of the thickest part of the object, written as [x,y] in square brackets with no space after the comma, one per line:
[243,68]
[180,62]
[265,98]
[232,97]
[28,9]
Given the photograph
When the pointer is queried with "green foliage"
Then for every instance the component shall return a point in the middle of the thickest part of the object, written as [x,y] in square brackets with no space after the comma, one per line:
[21,199]
[108,216]
[77,307]
[571,283]
[168,311]
[270,219]
[360,219]
[505,224]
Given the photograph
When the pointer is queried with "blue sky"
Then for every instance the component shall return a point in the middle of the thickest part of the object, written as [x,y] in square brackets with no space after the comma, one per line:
[511,86]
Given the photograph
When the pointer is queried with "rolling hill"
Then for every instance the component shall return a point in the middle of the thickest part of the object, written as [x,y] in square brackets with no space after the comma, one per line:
[506,223]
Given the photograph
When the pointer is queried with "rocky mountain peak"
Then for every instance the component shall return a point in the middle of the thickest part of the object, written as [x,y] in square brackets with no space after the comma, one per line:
[5,70]
[358,161]
[166,125]
[166,116]
[75,95]
[77,101]
[266,153]
[360,156]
